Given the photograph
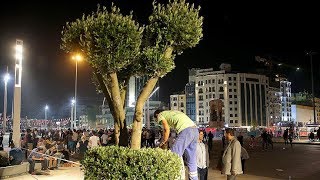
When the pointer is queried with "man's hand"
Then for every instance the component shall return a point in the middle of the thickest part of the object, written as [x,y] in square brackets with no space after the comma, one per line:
[163,145]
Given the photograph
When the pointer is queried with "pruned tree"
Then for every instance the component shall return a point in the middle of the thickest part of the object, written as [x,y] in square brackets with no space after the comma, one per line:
[117,48]
[172,28]
[110,42]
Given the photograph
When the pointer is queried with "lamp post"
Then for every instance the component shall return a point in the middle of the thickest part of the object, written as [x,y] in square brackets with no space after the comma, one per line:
[73,101]
[17,94]
[45,115]
[311,53]
[148,108]
[45,112]
[6,79]
[77,58]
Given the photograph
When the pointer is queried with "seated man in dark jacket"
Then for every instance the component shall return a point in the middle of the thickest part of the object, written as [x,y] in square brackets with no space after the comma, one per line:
[15,155]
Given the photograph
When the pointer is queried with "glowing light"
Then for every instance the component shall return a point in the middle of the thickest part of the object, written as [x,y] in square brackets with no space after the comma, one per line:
[77,57]
[6,78]
[47,107]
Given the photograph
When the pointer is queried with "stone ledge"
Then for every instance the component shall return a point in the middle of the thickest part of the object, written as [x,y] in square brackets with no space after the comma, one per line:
[15,170]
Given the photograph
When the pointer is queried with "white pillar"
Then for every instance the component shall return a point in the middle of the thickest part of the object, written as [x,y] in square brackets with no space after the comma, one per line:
[16,136]
[71,119]
[5,107]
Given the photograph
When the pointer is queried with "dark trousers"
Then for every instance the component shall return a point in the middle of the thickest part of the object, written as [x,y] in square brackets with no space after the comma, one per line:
[210,144]
[242,164]
[151,143]
[203,173]
[33,162]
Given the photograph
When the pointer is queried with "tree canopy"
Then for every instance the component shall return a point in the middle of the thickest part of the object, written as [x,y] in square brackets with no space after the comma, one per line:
[117,47]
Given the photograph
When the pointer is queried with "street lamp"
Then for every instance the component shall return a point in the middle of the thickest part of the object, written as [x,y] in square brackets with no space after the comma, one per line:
[6,79]
[45,112]
[45,115]
[311,53]
[148,110]
[17,94]
[76,57]
[73,102]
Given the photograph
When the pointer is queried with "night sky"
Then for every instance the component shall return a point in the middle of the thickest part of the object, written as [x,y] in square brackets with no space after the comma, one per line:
[233,33]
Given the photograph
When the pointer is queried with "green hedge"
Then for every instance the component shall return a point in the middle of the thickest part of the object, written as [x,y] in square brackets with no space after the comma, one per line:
[112,162]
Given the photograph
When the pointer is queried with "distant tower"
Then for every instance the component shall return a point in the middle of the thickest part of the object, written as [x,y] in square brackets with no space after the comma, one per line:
[136,84]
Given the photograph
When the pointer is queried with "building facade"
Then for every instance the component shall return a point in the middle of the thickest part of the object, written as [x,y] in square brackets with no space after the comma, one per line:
[190,100]
[302,115]
[178,102]
[285,89]
[136,84]
[317,104]
[243,97]
[274,105]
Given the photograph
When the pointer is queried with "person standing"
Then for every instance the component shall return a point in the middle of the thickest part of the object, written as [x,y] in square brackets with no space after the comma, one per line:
[231,158]
[152,139]
[264,137]
[223,139]
[291,138]
[83,146]
[187,137]
[104,138]
[74,140]
[1,137]
[202,158]
[210,141]
[94,140]
[240,139]
[285,136]
[10,138]
[244,157]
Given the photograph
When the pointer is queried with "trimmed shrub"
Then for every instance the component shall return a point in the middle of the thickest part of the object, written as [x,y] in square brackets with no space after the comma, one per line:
[113,162]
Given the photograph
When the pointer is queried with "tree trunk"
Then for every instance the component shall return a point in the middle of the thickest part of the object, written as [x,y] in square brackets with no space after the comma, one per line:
[116,102]
[144,95]
[138,114]
[124,135]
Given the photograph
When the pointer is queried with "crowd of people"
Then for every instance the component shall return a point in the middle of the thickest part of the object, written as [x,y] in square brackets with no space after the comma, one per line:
[179,134]
[52,148]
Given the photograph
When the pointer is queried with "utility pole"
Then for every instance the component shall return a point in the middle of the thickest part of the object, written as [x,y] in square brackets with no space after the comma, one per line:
[311,53]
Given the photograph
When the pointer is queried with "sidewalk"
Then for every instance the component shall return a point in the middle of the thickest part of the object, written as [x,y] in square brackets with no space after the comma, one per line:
[301,141]
[63,173]
[74,173]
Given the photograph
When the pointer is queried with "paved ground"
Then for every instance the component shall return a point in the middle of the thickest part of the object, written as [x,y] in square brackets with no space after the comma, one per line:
[64,173]
[302,161]
[299,162]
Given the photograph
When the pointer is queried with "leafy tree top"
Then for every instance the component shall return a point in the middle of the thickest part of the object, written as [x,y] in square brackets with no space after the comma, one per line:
[109,40]
[112,42]
[172,28]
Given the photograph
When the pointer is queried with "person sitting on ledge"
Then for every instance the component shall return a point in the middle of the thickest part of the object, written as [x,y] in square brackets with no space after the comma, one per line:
[37,155]
[4,160]
[15,155]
